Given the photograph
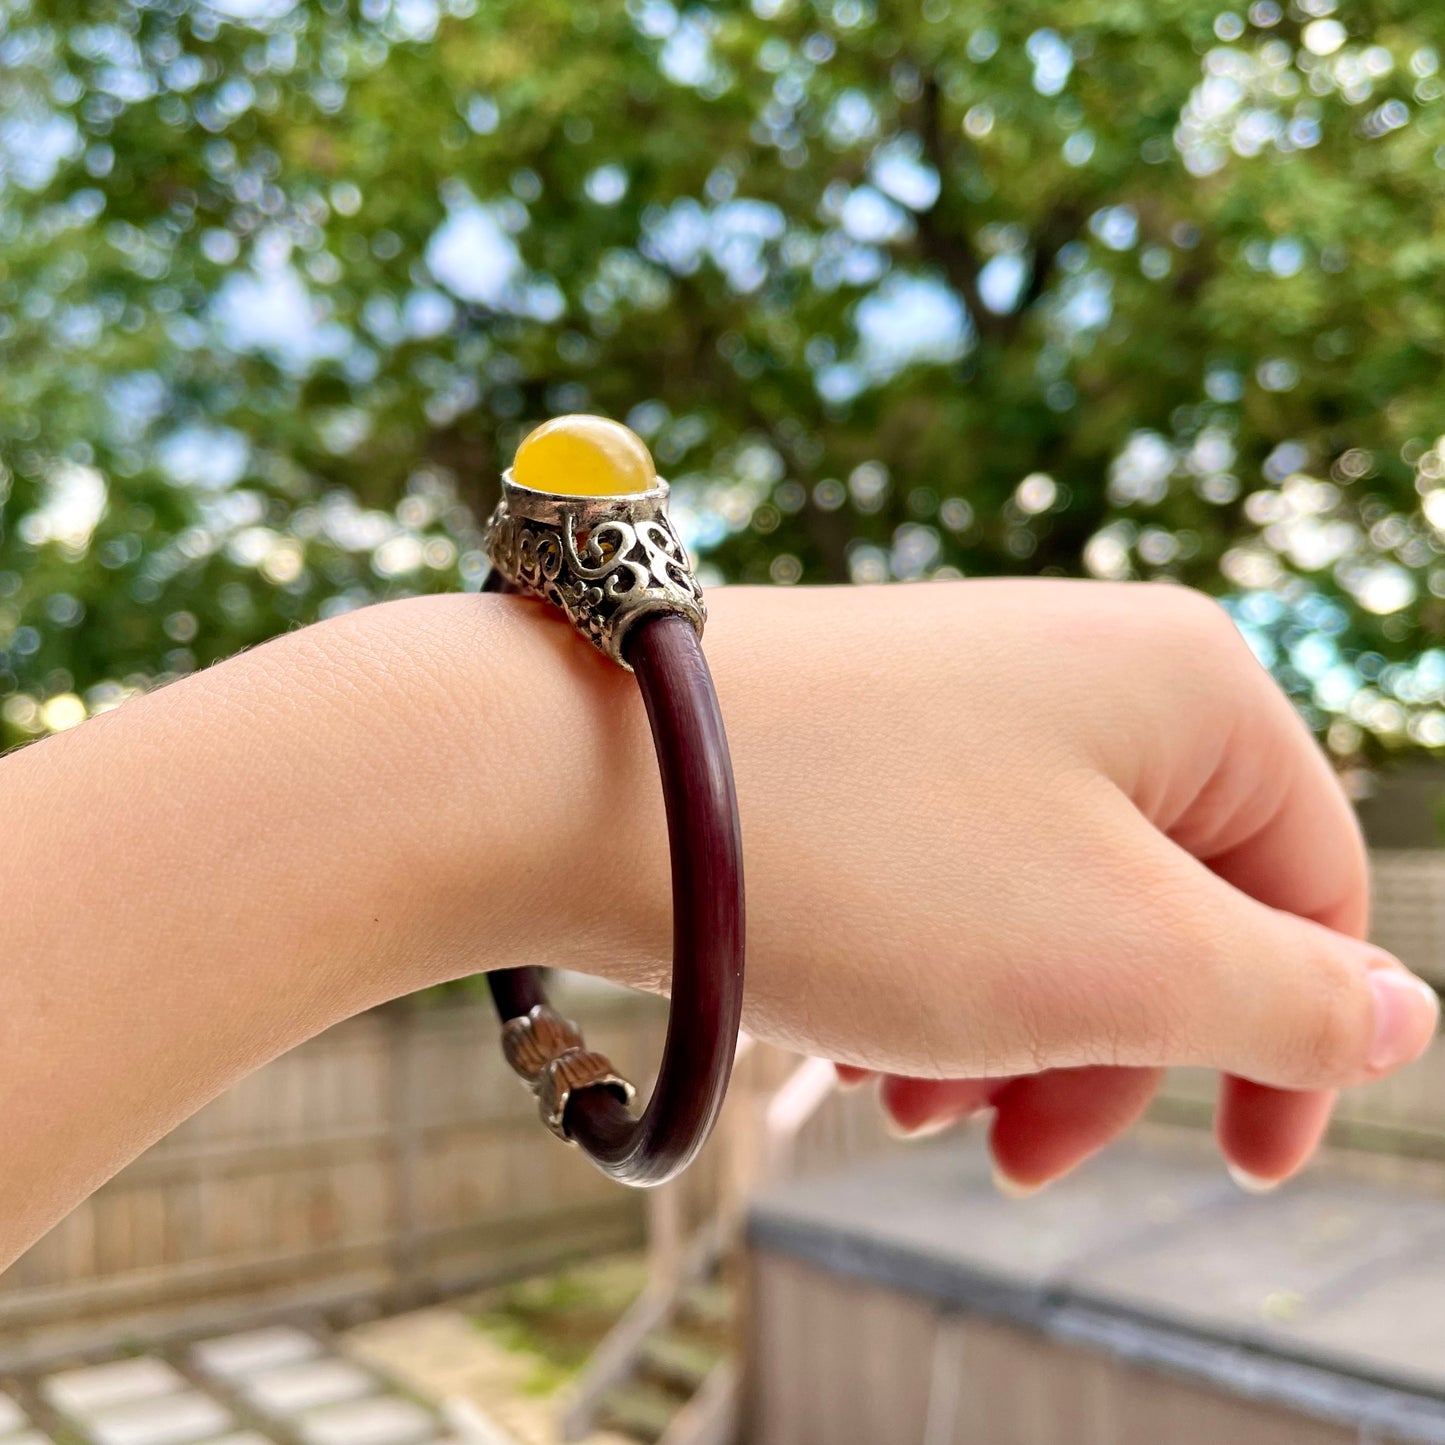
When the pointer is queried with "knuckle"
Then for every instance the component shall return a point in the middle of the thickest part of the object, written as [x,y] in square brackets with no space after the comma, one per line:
[1330,1038]
[1207,650]
[1204,622]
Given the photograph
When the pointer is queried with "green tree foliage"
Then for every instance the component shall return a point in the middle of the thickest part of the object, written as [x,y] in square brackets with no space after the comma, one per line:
[1128,288]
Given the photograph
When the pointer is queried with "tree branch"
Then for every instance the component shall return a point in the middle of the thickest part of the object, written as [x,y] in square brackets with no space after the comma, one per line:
[948,247]
[1062,227]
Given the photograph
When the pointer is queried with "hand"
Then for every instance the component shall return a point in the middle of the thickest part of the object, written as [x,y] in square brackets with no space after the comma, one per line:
[1021,844]
[1050,835]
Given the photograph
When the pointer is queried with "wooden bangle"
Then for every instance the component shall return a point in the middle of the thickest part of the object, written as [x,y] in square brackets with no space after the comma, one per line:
[616,568]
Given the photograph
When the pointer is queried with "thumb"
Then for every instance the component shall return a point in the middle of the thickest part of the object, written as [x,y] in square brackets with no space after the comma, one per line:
[1281,1000]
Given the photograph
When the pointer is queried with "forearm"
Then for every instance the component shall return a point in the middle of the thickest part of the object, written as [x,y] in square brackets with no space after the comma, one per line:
[991,828]
[200,880]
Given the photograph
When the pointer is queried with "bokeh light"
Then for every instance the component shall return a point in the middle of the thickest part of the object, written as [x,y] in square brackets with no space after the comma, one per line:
[891,297]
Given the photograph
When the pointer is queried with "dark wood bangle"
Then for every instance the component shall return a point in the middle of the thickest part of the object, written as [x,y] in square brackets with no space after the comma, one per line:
[581,1097]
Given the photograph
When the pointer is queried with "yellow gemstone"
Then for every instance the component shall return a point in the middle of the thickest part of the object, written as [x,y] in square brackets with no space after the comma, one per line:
[584,456]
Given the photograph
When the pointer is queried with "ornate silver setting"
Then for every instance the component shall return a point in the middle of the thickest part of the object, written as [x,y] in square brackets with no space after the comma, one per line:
[606,562]
[547,1051]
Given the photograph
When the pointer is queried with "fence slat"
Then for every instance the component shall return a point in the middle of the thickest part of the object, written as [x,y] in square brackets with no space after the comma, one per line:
[393,1155]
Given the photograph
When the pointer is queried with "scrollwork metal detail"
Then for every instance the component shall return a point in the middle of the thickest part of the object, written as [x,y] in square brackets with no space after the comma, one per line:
[606,562]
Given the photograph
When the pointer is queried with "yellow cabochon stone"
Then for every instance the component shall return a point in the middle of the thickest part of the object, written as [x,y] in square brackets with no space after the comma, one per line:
[584,456]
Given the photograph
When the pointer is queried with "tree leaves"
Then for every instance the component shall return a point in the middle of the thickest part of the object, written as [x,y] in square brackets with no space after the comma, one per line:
[293,279]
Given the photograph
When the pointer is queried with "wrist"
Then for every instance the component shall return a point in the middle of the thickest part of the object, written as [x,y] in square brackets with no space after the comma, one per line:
[528,826]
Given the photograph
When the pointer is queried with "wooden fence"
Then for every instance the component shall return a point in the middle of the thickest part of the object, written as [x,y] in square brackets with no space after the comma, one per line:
[391,1158]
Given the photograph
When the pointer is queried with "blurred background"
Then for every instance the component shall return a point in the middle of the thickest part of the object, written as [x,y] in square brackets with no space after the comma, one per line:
[1121,289]
[893,291]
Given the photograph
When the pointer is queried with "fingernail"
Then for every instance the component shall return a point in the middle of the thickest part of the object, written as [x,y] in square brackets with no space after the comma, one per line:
[1406,1013]
[1012,1188]
[913,1132]
[1252,1183]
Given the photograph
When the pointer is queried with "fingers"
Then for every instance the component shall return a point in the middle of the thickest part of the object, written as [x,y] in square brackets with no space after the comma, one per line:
[1174,964]
[1279,999]
[1270,818]
[1044,1125]
[1203,974]
[1162,962]
[1275,823]
[1206,907]
[1267,1134]
[919,1107]
[1049,1123]
[1246,790]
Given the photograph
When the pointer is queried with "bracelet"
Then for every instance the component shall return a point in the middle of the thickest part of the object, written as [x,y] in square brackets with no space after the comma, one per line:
[582,523]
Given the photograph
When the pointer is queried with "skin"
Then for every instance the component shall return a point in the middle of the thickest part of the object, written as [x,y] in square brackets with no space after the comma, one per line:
[1017,845]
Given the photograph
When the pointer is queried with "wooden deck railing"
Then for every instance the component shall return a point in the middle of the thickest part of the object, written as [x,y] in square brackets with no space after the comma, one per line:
[785,1115]
[393,1158]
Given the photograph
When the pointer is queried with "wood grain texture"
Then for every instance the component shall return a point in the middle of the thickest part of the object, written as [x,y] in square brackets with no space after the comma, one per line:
[832,1361]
